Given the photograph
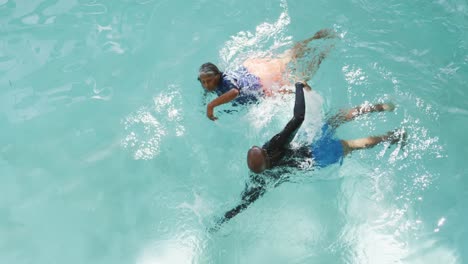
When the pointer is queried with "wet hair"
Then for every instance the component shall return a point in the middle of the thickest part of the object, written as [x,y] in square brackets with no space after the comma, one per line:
[208,69]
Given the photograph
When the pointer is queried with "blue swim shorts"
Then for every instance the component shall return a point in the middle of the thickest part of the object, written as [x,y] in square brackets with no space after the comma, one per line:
[327,149]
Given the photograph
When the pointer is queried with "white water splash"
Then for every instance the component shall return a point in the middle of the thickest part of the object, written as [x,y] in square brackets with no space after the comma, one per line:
[259,43]
[270,115]
[180,250]
[148,126]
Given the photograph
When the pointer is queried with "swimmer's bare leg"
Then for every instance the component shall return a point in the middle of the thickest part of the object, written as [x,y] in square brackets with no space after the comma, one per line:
[345,116]
[300,48]
[392,137]
[314,64]
[325,33]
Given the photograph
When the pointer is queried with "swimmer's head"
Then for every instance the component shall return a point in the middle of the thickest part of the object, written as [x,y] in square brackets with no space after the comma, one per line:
[257,159]
[209,76]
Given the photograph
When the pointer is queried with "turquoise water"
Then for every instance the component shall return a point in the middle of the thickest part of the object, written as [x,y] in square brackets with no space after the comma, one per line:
[106,155]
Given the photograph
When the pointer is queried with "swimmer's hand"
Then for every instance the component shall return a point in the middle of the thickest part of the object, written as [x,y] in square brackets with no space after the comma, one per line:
[306,86]
[209,112]
[222,99]
[285,91]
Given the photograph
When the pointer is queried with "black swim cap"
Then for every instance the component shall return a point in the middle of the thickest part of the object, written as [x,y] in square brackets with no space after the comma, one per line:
[208,69]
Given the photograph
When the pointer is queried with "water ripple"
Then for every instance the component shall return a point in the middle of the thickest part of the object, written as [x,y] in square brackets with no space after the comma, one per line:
[150,125]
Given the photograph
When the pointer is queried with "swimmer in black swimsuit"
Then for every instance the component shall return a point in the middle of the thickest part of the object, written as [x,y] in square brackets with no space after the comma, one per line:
[327,150]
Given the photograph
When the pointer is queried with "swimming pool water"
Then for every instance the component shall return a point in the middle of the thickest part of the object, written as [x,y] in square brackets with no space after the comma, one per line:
[106,155]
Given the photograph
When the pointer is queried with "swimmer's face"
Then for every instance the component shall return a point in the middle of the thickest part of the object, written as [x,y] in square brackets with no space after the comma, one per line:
[210,81]
[257,159]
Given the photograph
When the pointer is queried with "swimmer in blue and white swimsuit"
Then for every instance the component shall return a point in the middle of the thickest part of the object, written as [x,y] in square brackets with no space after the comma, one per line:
[248,85]
[239,86]
[259,77]
[325,151]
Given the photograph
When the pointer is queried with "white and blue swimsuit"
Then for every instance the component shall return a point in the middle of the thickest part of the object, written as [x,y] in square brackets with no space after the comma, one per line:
[249,85]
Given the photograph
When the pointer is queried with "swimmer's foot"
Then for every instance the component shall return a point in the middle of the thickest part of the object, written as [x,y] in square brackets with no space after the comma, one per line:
[397,136]
[383,107]
[324,34]
[388,107]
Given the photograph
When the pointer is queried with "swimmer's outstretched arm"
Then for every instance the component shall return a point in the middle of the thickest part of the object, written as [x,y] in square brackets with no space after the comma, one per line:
[224,98]
[250,195]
